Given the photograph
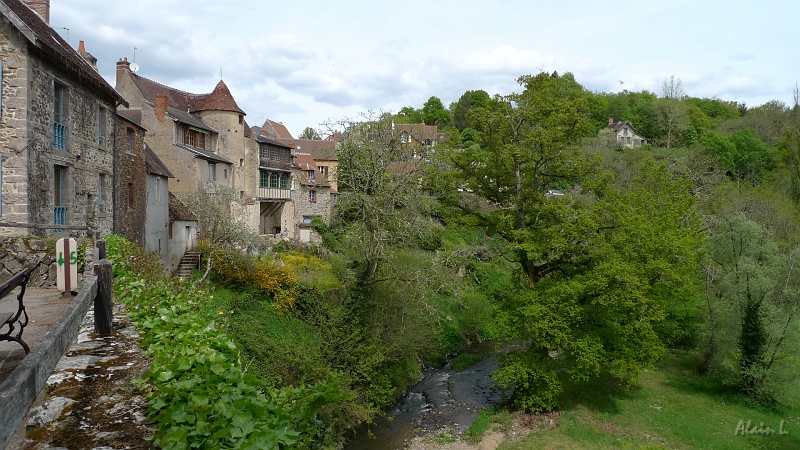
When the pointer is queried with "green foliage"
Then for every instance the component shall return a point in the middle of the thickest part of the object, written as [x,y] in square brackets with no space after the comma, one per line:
[200,397]
[310,134]
[751,289]
[434,112]
[464,361]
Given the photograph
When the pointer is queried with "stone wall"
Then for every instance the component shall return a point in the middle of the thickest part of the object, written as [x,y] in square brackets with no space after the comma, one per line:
[13,139]
[27,141]
[132,189]
[19,253]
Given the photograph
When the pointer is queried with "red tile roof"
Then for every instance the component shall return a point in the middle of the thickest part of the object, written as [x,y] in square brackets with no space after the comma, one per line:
[419,131]
[276,130]
[220,99]
[319,150]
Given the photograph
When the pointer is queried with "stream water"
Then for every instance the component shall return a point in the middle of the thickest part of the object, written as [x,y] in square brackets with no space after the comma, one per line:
[443,399]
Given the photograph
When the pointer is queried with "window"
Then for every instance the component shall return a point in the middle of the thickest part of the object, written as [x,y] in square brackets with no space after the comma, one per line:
[158,190]
[170,230]
[130,196]
[274,180]
[323,170]
[195,137]
[212,172]
[101,126]
[131,139]
[59,127]
[263,181]
[310,175]
[312,196]
[307,219]
[226,173]
[101,193]
[59,206]
[284,181]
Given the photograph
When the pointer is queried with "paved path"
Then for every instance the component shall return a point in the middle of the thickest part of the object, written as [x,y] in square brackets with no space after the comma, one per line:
[44,308]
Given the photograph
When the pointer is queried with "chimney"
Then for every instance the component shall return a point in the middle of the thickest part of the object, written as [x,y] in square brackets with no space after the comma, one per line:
[122,66]
[86,55]
[161,107]
[40,7]
[610,121]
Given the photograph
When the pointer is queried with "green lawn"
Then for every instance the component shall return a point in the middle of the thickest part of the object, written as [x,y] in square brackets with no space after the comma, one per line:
[673,408]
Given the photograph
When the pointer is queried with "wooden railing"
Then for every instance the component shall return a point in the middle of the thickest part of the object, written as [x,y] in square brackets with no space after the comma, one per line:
[274,193]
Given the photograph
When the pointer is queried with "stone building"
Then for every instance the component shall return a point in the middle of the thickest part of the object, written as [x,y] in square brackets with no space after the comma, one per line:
[313,197]
[131,215]
[199,137]
[57,118]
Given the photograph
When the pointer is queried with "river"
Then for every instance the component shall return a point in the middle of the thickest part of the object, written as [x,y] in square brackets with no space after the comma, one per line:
[443,399]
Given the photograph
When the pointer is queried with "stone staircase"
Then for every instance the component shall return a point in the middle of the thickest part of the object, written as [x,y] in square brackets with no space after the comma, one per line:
[189,262]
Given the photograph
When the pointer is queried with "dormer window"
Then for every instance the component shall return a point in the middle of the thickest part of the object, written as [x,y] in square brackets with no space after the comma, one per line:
[310,174]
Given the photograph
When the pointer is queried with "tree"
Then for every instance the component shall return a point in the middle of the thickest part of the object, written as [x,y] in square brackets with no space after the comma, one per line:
[752,297]
[467,101]
[434,112]
[408,114]
[601,264]
[670,109]
[220,221]
[310,134]
[380,205]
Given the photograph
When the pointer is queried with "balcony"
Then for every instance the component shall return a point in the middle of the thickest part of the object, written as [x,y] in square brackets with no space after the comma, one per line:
[60,217]
[274,193]
[59,136]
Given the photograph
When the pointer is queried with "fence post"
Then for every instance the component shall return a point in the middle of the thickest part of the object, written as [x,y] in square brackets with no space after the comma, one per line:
[100,245]
[102,302]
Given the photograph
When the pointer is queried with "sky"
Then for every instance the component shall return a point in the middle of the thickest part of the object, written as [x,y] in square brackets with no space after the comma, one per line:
[306,63]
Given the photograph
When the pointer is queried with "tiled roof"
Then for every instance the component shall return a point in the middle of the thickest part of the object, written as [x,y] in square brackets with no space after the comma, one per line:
[131,115]
[305,162]
[188,119]
[276,130]
[220,99]
[267,140]
[153,164]
[178,210]
[43,37]
[319,150]
[419,131]
[211,156]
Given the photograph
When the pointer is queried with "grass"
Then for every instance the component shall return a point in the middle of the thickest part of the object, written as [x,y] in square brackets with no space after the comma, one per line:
[464,361]
[673,408]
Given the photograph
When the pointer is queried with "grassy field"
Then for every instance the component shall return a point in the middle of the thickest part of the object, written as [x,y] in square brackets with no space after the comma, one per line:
[673,408]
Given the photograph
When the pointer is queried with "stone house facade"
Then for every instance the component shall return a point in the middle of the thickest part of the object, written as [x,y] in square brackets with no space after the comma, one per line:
[130,217]
[313,197]
[182,129]
[623,134]
[57,119]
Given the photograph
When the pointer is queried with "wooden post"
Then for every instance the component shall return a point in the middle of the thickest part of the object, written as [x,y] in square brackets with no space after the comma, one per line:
[100,245]
[102,302]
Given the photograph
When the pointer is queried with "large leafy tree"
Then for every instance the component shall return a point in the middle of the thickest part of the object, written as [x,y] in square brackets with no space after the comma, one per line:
[602,265]
[434,112]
